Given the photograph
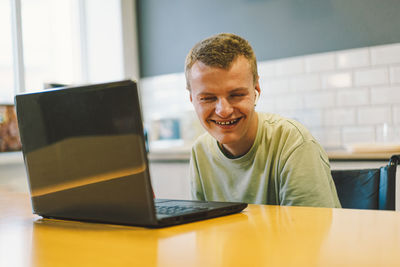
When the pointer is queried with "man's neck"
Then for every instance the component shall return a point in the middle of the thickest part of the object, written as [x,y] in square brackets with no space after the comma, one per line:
[226,152]
[236,151]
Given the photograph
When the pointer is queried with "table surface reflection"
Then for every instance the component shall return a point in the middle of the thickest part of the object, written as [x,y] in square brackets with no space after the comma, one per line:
[259,236]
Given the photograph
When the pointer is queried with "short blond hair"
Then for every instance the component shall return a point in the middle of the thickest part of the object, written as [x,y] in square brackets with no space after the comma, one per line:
[220,51]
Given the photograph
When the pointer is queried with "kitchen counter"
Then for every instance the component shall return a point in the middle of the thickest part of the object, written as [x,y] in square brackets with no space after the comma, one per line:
[7,158]
[173,154]
[343,155]
[169,156]
[182,154]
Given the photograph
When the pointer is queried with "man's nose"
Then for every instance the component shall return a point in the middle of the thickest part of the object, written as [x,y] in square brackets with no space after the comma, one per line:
[223,108]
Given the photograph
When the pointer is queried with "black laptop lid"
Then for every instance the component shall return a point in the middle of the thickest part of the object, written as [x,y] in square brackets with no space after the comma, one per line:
[85,154]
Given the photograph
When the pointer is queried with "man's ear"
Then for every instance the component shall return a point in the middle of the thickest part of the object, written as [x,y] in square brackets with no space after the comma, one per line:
[190,96]
[257,91]
[257,85]
[257,88]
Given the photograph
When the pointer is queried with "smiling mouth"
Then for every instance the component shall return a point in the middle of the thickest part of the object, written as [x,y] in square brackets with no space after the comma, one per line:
[226,123]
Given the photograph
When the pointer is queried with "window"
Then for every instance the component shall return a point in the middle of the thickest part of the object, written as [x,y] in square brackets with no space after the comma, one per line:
[104,40]
[63,42]
[6,60]
[50,43]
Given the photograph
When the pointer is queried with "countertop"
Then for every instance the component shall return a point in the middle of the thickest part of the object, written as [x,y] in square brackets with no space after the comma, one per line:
[343,155]
[182,154]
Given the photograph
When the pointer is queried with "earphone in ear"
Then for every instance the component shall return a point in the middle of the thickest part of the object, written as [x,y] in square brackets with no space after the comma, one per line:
[257,95]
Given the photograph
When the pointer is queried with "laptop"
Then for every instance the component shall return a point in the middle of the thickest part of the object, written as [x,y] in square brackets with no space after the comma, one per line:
[85,157]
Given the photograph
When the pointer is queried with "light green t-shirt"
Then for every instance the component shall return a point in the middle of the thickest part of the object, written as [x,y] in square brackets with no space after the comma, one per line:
[284,166]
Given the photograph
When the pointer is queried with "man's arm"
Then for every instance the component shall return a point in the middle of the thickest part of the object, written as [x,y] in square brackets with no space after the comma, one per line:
[306,178]
[195,182]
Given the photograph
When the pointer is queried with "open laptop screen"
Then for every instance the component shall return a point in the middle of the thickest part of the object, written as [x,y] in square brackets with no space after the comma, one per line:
[76,140]
[98,130]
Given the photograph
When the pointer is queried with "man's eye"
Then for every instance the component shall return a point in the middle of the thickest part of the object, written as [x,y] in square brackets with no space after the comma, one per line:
[207,99]
[238,95]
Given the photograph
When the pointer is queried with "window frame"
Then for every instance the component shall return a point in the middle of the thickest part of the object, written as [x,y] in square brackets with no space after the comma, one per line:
[130,64]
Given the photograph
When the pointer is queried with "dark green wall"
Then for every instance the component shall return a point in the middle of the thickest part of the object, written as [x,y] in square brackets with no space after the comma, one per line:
[275,28]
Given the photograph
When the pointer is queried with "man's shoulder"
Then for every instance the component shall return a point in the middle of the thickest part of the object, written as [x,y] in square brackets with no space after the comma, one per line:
[202,142]
[285,127]
[291,134]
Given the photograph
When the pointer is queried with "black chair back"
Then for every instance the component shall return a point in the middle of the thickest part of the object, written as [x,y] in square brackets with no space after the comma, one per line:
[368,188]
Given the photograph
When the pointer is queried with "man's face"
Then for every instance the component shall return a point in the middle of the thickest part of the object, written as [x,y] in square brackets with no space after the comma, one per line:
[224,102]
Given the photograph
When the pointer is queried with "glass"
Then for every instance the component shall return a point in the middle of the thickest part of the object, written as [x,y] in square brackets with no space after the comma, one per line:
[6,60]
[388,133]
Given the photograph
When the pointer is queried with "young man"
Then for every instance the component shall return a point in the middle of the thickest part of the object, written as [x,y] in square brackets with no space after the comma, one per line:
[247,156]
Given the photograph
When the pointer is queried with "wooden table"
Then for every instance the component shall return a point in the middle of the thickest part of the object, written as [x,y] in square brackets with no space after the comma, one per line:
[259,236]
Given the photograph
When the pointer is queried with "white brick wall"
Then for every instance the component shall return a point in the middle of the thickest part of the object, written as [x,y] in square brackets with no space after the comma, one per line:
[318,63]
[320,100]
[353,58]
[277,86]
[308,82]
[340,117]
[267,69]
[289,67]
[352,97]
[396,115]
[385,95]
[395,74]
[343,97]
[329,138]
[369,77]
[386,54]
[374,115]
[364,134]
[310,117]
[288,102]
[337,80]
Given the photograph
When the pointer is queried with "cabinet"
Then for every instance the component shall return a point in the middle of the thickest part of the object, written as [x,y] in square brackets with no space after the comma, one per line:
[170,179]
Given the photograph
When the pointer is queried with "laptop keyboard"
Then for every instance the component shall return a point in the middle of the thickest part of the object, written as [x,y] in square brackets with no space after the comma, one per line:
[174,210]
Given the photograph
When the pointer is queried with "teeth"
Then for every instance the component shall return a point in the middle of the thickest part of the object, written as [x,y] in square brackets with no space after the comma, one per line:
[225,122]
